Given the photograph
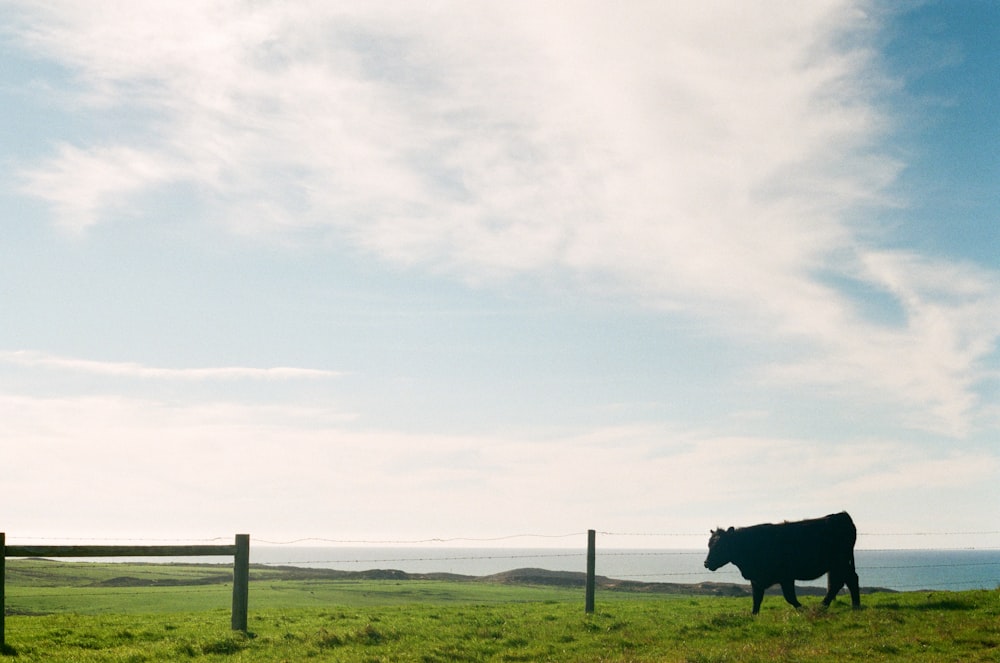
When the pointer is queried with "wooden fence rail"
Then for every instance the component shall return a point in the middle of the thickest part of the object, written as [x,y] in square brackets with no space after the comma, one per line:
[239,551]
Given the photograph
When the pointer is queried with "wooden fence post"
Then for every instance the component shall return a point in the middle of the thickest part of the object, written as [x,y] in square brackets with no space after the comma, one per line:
[3,585]
[241,582]
[591,563]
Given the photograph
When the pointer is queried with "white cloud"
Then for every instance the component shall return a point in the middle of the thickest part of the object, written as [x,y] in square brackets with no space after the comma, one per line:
[703,157]
[159,469]
[489,138]
[932,362]
[83,186]
[133,370]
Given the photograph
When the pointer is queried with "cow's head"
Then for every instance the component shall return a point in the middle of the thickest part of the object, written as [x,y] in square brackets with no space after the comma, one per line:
[720,548]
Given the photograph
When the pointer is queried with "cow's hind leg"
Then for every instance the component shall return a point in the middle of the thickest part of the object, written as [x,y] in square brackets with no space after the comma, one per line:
[854,587]
[834,583]
[788,589]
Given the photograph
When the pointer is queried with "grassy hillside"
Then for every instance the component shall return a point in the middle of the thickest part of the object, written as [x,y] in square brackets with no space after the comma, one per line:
[140,613]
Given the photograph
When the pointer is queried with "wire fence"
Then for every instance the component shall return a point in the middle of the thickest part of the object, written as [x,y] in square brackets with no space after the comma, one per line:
[893,568]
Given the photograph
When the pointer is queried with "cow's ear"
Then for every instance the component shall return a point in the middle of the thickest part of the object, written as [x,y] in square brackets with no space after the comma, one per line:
[731,530]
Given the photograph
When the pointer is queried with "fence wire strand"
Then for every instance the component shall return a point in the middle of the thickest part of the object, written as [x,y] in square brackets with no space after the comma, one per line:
[556,553]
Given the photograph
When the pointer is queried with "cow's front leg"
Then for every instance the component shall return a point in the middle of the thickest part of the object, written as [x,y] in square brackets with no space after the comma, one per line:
[758,595]
[788,589]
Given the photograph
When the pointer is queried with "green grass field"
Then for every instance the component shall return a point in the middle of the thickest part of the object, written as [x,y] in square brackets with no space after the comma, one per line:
[135,613]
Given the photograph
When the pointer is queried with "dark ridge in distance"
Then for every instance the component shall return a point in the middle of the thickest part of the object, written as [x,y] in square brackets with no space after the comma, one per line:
[543,577]
[525,576]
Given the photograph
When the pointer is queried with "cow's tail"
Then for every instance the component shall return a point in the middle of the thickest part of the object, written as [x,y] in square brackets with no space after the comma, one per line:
[854,539]
[851,529]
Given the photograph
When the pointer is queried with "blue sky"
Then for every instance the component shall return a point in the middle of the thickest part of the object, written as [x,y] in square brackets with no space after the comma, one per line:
[472,270]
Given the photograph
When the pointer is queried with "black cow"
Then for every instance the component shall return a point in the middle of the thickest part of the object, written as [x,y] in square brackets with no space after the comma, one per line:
[781,554]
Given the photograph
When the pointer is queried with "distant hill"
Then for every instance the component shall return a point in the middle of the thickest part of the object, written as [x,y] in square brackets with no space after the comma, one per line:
[546,577]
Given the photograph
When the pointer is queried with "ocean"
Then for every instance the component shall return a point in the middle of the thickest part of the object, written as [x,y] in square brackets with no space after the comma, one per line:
[902,570]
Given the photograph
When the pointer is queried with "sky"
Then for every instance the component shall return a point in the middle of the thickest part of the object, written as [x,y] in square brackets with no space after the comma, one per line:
[394,271]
